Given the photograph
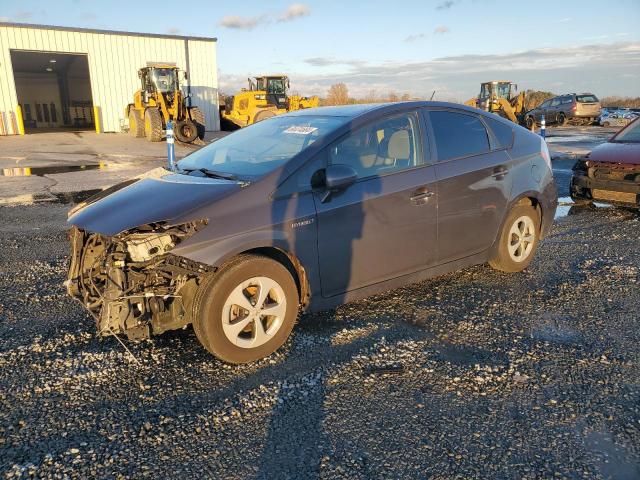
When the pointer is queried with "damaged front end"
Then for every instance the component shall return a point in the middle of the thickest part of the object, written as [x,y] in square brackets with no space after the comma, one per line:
[130,283]
[606,181]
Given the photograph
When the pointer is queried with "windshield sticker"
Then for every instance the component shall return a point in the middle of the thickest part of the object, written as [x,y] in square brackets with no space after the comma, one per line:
[301,130]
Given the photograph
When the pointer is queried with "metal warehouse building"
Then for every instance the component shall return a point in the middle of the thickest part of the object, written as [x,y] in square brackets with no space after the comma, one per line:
[74,78]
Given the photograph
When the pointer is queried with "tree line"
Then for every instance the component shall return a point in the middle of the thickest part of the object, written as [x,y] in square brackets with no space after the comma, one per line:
[338,94]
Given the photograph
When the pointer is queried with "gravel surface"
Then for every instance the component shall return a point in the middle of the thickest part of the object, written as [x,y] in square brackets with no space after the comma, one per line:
[474,374]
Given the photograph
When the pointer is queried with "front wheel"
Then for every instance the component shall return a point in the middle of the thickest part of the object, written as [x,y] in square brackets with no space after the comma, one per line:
[530,123]
[518,240]
[246,311]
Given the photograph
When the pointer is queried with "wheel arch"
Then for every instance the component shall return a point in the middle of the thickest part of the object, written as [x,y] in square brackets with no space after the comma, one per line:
[529,198]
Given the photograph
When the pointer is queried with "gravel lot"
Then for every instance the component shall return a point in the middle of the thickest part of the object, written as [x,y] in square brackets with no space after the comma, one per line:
[489,375]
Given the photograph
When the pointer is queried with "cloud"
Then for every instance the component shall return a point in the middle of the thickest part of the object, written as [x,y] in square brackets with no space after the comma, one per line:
[174,31]
[441,30]
[330,61]
[88,17]
[414,37]
[446,5]
[295,11]
[23,14]
[584,68]
[5,19]
[243,23]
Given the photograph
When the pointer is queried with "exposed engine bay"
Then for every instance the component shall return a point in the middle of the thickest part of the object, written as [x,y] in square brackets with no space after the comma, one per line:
[130,283]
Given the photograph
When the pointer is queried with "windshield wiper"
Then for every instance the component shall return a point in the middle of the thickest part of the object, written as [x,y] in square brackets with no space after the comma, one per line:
[211,173]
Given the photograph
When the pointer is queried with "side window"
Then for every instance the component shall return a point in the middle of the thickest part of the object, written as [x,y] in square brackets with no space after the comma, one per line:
[555,102]
[567,99]
[458,134]
[382,147]
[502,132]
[545,104]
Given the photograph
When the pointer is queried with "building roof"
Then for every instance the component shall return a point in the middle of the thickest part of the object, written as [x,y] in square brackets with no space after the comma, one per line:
[106,32]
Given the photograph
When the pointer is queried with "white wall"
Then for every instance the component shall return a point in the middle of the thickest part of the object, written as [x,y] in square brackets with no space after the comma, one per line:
[114,60]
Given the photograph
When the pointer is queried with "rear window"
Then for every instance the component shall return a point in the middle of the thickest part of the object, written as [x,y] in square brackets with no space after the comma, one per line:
[458,135]
[586,98]
[502,132]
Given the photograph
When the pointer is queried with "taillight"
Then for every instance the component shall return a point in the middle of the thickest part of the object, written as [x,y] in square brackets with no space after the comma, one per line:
[544,152]
[574,107]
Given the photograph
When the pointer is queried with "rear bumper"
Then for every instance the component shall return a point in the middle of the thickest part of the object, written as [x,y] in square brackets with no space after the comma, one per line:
[549,201]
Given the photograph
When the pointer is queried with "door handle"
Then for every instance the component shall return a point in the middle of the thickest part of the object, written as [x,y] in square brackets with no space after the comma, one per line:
[500,173]
[421,196]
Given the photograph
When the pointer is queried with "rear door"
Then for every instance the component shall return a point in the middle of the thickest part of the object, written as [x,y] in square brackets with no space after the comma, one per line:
[384,225]
[472,169]
[587,105]
[552,110]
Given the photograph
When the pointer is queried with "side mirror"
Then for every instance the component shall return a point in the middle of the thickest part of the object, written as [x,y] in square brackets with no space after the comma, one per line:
[337,178]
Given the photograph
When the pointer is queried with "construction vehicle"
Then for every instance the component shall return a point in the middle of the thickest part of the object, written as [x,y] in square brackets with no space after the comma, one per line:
[266,97]
[159,100]
[501,98]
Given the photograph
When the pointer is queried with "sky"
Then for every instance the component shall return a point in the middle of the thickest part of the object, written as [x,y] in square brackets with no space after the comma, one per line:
[376,46]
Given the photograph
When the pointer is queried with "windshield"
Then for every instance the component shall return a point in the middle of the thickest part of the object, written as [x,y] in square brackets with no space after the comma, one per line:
[484,91]
[164,79]
[503,90]
[259,149]
[630,134]
[275,85]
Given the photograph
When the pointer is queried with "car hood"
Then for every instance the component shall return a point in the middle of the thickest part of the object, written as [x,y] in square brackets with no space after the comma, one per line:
[158,195]
[613,152]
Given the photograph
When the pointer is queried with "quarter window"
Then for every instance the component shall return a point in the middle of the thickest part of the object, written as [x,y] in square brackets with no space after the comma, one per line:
[502,132]
[458,135]
[382,147]
[555,102]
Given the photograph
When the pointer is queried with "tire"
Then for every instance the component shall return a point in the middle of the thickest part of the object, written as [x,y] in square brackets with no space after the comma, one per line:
[136,126]
[153,124]
[197,117]
[214,307]
[562,119]
[186,131]
[263,115]
[605,124]
[530,122]
[511,255]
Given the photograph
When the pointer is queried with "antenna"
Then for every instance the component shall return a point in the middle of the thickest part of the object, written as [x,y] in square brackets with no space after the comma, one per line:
[432,95]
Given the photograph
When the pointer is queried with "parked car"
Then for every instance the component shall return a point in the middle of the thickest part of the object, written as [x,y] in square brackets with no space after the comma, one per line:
[578,108]
[306,211]
[611,172]
[616,118]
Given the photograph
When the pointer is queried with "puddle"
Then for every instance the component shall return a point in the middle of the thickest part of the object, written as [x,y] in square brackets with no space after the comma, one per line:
[566,206]
[50,170]
[62,198]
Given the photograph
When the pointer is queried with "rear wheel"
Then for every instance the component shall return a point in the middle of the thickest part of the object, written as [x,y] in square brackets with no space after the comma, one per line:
[136,126]
[246,311]
[198,118]
[186,131]
[562,119]
[518,240]
[263,115]
[153,124]
[605,124]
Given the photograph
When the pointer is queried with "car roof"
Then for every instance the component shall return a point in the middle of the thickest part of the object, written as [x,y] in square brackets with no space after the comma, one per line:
[357,110]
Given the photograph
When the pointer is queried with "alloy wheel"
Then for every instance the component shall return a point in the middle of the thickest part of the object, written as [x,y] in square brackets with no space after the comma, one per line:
[254,312]
[521,238]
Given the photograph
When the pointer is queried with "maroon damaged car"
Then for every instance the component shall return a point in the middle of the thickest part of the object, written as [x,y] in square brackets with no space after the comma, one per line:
[611,172]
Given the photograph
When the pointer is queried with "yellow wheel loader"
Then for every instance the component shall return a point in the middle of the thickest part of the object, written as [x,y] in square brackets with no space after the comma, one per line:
[266,97]
[501,98]
[159,100]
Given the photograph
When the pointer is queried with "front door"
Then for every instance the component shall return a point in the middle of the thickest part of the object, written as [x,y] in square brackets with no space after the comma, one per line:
[384,225]
[473,184]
